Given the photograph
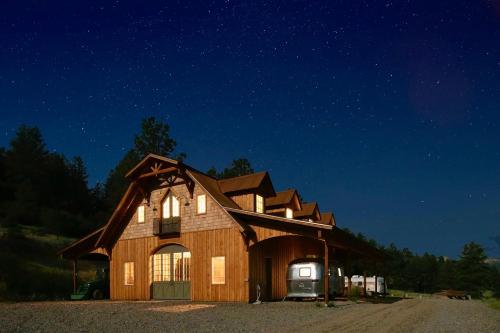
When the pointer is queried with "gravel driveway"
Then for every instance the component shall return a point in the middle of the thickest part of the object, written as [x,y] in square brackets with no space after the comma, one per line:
[426,315]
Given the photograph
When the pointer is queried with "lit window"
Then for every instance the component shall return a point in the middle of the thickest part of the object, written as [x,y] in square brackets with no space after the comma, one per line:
[175,207]
[218,270]
[289,213]
[305,272]
[202,204]
[259,204]
[129,273]
[140,214]
[170,207]
[166,208]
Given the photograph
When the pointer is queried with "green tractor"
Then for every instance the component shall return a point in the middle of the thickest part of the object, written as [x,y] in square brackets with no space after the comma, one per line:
[95,289]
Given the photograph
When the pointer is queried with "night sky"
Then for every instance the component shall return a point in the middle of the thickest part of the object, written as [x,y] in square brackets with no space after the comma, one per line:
[386,112]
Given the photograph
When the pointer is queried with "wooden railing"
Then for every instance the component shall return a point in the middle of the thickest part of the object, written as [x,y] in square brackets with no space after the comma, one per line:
[168,226]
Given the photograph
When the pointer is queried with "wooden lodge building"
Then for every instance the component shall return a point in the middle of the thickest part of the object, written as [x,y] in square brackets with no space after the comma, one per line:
[178,233]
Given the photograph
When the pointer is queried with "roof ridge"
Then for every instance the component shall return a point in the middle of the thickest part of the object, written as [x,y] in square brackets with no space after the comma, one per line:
[242,176]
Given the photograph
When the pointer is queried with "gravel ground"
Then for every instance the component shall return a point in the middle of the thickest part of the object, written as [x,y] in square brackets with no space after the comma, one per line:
[417,315]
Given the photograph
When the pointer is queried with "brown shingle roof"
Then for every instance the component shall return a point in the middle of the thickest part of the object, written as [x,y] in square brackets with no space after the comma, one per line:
[248,182]
[281,198]
[308,210]
[212,186]
[327,218]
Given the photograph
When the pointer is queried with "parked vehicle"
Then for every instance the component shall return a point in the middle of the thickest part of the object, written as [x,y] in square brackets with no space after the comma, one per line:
[305,279]
[358,280]
[96,289]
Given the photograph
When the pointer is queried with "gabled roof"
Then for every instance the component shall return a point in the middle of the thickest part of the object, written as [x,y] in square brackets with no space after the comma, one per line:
[145,161]
[254,181]
[309,209]
[155,167]
[281,198]
[82,245]
[212,186]
[327,218]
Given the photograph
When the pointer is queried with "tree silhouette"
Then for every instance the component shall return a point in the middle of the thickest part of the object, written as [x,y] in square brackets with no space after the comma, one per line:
[154,138]
[238,167]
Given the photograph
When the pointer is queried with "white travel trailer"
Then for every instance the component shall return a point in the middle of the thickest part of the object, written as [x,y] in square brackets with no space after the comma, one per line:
[358,281]
[305,279]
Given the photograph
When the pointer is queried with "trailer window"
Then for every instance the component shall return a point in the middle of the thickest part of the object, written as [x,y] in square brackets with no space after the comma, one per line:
[305,272]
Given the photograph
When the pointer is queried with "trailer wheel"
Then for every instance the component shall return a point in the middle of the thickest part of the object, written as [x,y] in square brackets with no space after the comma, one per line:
[97,294]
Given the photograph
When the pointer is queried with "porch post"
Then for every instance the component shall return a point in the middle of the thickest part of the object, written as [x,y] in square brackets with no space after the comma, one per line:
[326,278]
[349,285]
[75,268]
[364,283]
[376,283]
[349,274]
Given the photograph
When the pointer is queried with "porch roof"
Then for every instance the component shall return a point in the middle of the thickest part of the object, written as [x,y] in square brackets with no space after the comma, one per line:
[334,236]
[82,246]
[279,218]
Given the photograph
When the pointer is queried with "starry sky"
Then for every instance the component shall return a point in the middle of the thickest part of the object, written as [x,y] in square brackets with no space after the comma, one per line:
[385,112]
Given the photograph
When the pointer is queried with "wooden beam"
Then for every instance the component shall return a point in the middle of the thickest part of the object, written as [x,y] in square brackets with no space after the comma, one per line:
[75,269]
[348,272]
[326,278]
[364,283]
[156,173]
[349,285]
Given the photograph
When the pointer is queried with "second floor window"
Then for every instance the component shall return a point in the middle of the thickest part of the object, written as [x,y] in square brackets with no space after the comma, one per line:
[202,204]
[259,203]
[140,214]
[171,207]
[289,213]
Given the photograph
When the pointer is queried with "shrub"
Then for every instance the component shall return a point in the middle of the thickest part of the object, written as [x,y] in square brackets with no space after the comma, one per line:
[355,293]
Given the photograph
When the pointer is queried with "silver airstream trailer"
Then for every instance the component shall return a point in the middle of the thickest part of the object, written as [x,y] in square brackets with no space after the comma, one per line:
[305,279]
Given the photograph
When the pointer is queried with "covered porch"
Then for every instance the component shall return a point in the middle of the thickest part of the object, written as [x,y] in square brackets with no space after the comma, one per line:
[84,250]
[274,242]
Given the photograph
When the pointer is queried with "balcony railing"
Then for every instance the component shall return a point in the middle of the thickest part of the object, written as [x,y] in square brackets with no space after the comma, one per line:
[168,226]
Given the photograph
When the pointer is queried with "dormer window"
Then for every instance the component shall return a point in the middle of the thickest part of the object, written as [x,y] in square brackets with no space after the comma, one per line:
[289,213]
[140,214]
[170,207]
[259,203]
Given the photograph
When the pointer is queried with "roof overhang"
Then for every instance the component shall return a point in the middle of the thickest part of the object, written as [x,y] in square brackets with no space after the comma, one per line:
[306,224]
[82,246]
[334,236]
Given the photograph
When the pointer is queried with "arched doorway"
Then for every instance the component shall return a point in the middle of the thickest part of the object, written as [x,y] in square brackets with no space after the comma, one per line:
[171,271]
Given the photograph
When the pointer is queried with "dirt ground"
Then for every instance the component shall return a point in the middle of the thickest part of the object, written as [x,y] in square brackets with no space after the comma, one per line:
[415,315]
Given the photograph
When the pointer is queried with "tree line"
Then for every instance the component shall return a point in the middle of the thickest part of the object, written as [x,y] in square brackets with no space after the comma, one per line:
[50,191]
[428,273]
[46,189]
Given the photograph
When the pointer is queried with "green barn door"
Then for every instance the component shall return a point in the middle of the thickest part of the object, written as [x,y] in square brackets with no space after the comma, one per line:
[171,273]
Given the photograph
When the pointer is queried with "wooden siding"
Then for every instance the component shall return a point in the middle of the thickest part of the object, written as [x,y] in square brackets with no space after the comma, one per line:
[245,201]
[203,245]
[262,233]
[281,250]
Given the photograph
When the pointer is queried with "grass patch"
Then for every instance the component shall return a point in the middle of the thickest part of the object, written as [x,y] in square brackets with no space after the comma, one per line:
[494,303]
[490,300]
[407,294]
[30,268]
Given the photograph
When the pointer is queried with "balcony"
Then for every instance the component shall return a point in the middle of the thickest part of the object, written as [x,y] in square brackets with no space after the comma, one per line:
[167,227]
